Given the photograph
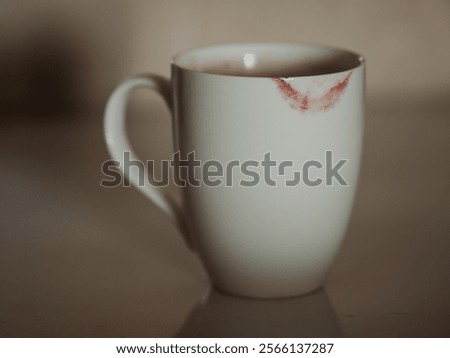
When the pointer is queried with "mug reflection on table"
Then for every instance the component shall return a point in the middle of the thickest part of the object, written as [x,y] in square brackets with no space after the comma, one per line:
[222,315]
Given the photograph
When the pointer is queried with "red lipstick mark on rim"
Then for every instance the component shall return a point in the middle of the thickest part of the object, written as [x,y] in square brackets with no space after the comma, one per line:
[304,102]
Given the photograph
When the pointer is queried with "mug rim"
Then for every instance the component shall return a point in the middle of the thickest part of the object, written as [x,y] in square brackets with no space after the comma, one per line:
[247,47]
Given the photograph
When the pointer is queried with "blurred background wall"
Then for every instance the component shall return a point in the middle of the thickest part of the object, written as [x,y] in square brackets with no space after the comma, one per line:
[83,48]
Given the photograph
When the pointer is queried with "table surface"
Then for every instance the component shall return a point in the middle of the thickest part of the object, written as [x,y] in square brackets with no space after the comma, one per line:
[78,260]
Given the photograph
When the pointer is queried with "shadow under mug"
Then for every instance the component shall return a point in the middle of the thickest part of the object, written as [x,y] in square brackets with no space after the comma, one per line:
[225,316]
[299,104]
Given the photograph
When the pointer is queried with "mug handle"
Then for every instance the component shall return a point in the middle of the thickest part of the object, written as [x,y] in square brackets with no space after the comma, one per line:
[118,143]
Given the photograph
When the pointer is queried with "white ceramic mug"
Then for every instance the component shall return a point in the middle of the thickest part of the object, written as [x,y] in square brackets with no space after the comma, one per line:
[230,102]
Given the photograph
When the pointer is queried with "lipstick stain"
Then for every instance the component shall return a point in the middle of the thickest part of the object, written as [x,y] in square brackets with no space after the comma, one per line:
[304,102]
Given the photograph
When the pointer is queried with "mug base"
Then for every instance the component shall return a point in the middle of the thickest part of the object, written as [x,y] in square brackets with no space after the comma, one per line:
[268,296]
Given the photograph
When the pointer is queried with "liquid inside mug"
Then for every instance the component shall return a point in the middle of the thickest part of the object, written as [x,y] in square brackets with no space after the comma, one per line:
[259,104]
